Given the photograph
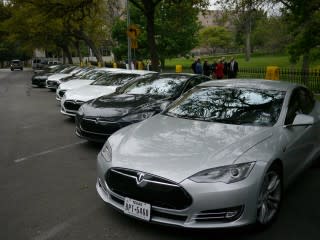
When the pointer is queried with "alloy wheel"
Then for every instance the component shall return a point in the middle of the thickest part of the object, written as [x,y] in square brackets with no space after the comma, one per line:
[269,198]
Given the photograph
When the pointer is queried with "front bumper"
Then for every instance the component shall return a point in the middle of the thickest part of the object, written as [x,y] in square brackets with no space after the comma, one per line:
[39,82]
[210,201]
[96,129]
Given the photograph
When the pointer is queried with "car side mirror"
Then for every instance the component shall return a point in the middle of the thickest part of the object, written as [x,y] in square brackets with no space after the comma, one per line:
[303,120]
[118,89]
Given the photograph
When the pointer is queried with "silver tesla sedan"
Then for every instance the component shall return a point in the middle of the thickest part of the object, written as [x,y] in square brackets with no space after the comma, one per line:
[219,156]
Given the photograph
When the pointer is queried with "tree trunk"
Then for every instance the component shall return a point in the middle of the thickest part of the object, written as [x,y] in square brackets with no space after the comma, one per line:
[67,53]
[305,68]
[81,35]
[149,13]
[248,38]
[77,45]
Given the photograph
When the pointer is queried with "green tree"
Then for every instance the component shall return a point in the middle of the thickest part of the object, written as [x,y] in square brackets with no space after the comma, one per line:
[303,18]
[178,19]
[215,37]
[244,13]
[148,9]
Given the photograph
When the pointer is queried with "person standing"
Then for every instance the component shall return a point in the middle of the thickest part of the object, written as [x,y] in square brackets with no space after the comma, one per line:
[198,67]
[193,66]
[233,68]
[206,68]
[220,70]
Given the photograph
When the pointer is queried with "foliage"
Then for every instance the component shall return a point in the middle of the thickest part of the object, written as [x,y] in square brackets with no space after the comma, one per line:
[55,25]
[178,19]
[149,9]
[215,37]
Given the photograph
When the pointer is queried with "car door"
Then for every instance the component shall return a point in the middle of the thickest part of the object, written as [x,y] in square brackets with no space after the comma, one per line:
[298,140]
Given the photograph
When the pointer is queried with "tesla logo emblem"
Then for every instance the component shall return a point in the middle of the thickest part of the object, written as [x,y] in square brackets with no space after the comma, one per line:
[140,177]
[97,120]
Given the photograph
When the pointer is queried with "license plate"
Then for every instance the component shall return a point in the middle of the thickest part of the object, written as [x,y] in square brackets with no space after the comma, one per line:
[137,209]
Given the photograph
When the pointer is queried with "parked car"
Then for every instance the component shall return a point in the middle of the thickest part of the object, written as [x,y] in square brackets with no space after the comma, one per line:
[220,156]
[83,80]
[138,100]
[16,64]
[106,84]
[54,80]
[39,78]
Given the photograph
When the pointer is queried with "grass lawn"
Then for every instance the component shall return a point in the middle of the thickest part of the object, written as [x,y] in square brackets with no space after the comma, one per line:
[281,61]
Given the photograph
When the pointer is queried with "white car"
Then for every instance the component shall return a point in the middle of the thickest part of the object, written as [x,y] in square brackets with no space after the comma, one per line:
[84,80]
[73,99]
[54,80]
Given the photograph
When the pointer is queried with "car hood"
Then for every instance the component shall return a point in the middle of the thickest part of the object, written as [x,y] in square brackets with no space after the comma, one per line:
[74,84]
[119,105]
[178,148]
[58,76]
[88,92]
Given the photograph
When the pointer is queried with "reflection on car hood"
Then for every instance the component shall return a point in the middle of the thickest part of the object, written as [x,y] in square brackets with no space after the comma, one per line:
[88,92]
[178,148]
[74,84]
[117,105]
[58,76]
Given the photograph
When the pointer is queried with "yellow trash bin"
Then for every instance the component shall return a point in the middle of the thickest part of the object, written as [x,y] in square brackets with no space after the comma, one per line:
[178,68]
[272,73]
[140,65]
[114,65]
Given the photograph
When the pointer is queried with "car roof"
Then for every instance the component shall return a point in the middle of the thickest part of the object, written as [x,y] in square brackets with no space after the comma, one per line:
[252,83]
[122,70]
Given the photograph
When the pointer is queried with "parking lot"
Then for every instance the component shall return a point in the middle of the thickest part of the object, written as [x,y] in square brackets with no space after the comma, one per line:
[48,175]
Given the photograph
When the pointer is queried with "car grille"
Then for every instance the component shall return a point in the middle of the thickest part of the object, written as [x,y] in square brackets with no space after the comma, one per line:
[155,190]
[219,215]
[72,105]
[52,83]
[98,125]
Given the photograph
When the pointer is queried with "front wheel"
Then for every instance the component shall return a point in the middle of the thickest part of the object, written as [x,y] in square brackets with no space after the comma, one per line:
[270,197]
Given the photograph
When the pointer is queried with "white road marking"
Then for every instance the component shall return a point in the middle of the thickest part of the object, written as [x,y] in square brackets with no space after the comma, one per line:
[46,152]
[60,227]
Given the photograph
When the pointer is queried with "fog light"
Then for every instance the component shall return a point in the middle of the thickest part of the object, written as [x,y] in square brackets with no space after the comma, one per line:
[232,214]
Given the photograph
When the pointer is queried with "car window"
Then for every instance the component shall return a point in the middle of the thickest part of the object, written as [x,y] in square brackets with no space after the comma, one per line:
[195,81]
[158,85]
[230,105]
[301,101]
[114,79]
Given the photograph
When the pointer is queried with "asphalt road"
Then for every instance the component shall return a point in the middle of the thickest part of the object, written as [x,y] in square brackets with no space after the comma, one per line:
[47,181]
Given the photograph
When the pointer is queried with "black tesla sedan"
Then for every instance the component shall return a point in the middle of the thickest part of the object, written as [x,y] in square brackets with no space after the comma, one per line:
[140,99]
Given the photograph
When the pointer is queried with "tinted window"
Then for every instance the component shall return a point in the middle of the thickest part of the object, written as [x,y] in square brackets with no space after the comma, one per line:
[162,85]
[230,105]
[195,81]
[114,79]
[301,101]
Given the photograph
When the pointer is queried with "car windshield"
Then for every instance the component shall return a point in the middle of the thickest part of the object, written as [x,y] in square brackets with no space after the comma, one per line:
[116,79]
[16,61]
[68,69]
[249,106]
[166,85]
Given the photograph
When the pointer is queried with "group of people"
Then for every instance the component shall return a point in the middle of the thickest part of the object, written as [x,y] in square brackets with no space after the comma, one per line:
[218,70]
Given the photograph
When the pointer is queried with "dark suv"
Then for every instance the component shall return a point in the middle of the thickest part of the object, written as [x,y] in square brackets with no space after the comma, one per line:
[16,64]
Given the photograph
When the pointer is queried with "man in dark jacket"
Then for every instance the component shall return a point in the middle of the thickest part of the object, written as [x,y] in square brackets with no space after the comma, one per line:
[233,68]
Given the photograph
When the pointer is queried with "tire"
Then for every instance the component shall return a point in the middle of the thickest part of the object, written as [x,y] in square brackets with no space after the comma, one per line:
[270,197]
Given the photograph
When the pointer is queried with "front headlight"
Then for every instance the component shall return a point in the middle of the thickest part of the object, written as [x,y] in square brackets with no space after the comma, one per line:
[106,152]
[226,174]
[138,116]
